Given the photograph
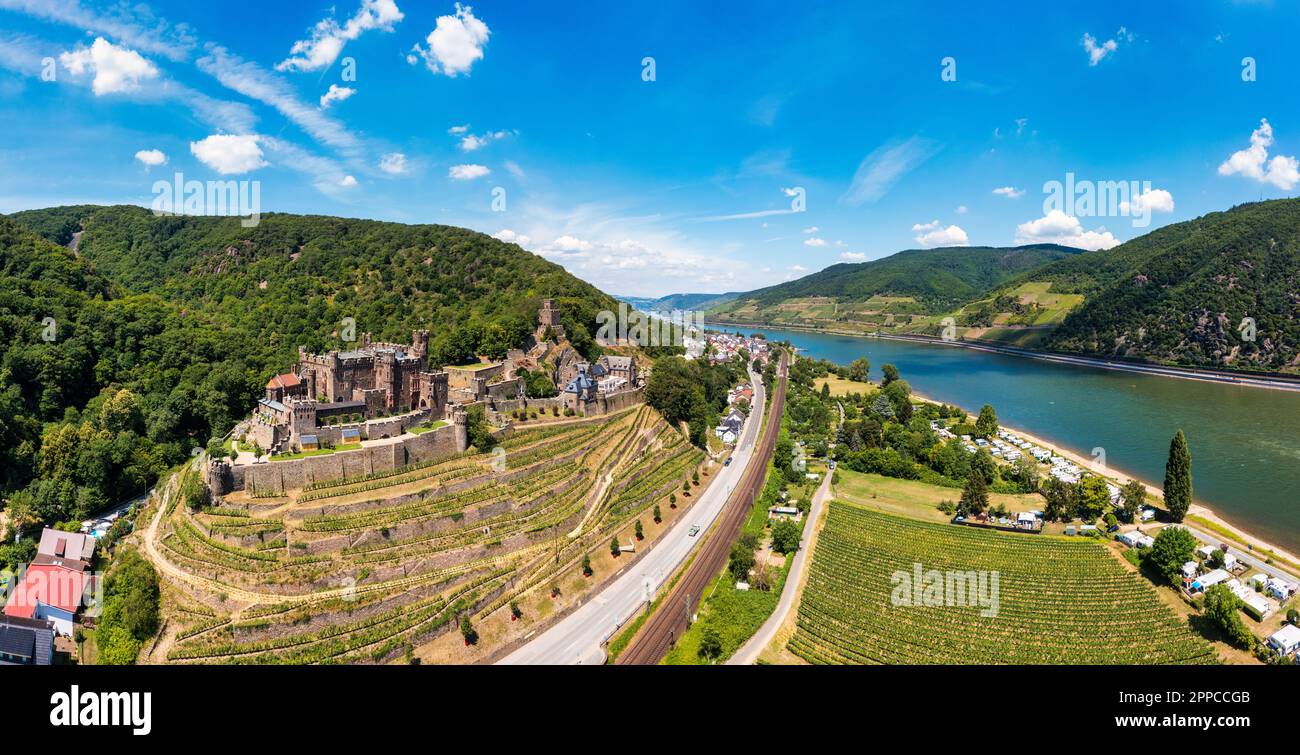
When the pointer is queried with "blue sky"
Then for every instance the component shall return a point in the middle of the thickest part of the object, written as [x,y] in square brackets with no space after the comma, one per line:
[682,183]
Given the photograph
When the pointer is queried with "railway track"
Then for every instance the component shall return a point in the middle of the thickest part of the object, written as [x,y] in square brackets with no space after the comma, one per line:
[672,618]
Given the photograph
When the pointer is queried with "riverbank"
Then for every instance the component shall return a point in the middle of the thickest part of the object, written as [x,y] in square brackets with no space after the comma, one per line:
[1281,557]
[1249,380]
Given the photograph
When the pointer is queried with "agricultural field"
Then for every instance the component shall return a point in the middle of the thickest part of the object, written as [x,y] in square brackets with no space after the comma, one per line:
[1058,600]
[371,569]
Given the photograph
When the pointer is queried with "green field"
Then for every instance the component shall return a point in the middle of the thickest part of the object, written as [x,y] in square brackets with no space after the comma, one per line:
[1058,601]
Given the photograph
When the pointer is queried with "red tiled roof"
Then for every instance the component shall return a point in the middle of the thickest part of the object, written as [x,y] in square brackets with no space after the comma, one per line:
[287,380]
[48,584]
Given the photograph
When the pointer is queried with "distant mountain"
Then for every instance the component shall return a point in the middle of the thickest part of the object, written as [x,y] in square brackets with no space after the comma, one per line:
[682,302]
[904,289]
[1179,295]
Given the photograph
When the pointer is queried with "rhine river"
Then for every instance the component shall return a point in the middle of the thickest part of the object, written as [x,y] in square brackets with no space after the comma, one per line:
[1245,442]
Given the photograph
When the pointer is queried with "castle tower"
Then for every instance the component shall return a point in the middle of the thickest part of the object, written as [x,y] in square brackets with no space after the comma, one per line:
[548,315]
[460,421]
[420,344]
[303,420]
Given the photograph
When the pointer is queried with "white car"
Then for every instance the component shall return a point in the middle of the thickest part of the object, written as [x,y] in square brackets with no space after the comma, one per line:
[693,531]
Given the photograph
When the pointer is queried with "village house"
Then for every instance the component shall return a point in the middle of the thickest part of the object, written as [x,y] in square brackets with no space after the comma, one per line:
[26,642]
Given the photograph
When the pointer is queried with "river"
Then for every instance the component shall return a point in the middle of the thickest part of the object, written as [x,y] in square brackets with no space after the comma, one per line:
[1245,442]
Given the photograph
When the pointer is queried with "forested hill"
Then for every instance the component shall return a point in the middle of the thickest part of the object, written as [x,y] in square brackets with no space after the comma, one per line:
[166,328]
[1179,294]
[938,279]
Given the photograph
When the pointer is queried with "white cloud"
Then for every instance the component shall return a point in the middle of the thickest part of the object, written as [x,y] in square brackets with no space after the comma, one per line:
[814,241]
[471,142]
[1058,228]
[229,153]
[513,168]
[336,93]
[393,163]
[1010,192]
[961,209]
[253,81]
[456,130]
[328,38]
[853,256]
[348,181]
[1253,162]
[799,268]
[1151,200]
[570,244]
[116,69]
[455,43]
[1098,52]
[151,157]
[935,234]
[509,236]
[467,172]
[885,165]
[813,229]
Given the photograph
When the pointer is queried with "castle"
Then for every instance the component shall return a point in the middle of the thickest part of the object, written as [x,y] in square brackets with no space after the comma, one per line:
[380,390]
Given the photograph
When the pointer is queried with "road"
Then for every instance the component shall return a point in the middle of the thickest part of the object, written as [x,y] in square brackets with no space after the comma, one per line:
[749,652]
[577,638]
[1246,556]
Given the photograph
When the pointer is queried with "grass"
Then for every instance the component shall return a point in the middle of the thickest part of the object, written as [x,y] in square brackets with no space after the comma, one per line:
[427,428]
[840,386]
[914,499]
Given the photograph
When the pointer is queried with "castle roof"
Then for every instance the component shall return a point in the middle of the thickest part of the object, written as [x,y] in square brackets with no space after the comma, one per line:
[287,380]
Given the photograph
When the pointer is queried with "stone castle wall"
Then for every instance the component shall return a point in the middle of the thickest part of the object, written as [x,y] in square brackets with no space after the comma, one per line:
[282,475]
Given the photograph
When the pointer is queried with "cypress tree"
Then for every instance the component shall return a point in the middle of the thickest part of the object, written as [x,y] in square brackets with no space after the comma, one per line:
[1178,478]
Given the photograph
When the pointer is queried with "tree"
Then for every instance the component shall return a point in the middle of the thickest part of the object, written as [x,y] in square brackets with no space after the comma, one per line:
[975,496]
[657,514]
[258,452]
[742,560]
[859,370]
[710,644]
[614,548]
[672,500]
[785,536]
[1092,497]
[1223,610]
[987,424]
[1131,497]
[1060,500]
[686,487]
[640,532]
[695,477]
[826,391]
[888,373]
[982,464]
[467,631]
[586,565]
[1173,548]
[1178,478]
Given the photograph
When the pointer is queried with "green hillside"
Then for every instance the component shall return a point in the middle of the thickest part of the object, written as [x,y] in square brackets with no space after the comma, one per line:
[1178,294]
[908,290]
[167,328]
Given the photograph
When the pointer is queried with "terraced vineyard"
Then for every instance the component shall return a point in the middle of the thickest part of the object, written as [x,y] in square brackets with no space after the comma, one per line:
[1060,601]
[367,568]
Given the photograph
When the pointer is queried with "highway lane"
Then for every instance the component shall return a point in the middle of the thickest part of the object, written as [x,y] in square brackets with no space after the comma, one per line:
[577,638]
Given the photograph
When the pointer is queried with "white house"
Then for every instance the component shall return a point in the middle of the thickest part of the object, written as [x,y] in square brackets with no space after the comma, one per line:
[1229,560]
[1189,569]
[1211,579]
[1279,588]
[1285,640]
[1205,551]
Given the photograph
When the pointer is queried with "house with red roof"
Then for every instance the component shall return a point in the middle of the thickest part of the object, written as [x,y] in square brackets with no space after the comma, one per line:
[48,592]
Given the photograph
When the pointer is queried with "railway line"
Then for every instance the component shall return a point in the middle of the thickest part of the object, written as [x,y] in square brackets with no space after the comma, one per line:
[672,618]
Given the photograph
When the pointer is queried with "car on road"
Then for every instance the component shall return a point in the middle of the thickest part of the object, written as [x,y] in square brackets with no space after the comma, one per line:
[693,531]
[832,465]
[727,463]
